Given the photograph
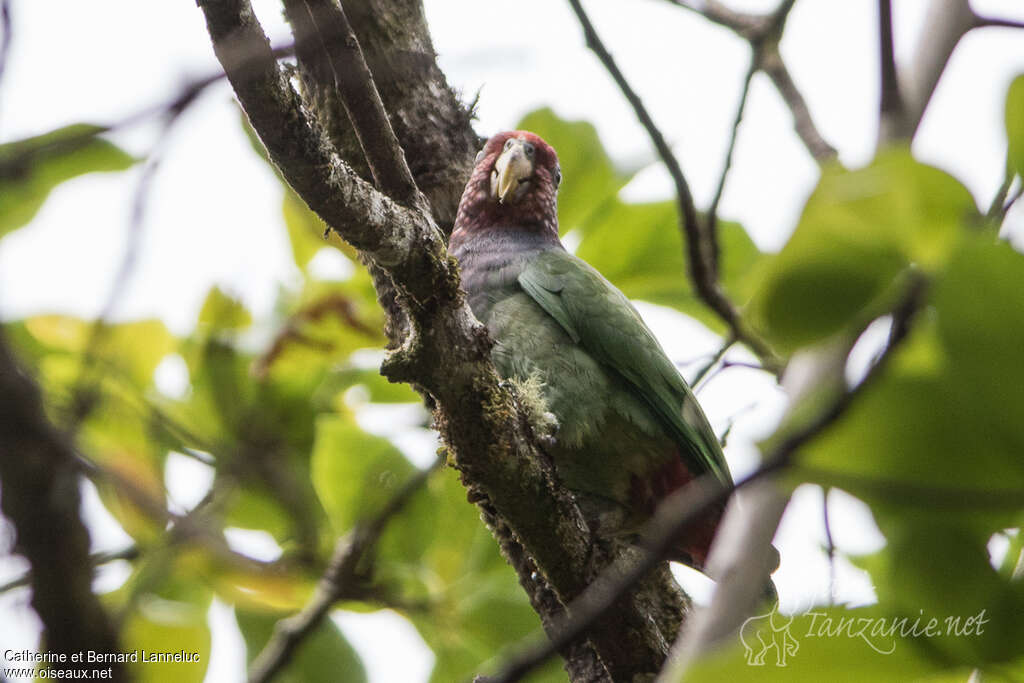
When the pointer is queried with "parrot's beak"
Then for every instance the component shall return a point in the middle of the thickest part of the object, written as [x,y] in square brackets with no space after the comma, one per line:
[512,172]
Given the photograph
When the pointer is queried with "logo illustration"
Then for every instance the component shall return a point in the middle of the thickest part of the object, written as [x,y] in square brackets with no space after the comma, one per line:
[763,632]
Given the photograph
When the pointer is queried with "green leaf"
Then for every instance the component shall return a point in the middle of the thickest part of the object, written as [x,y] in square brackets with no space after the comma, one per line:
[858,231]
[639,248]
[32,167]
[325,656]
[981,305]
[910,579]
[354,473]
[1015,124]
[223,312]
[165,626]
[945,413]
[305,229]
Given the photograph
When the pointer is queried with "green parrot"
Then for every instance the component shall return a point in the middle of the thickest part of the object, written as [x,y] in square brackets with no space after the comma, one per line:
[627,429]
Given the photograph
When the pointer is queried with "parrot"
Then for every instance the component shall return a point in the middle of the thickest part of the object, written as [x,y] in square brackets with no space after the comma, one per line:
[627,429]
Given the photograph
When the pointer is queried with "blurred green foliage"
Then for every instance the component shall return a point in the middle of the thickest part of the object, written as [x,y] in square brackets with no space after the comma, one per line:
[934,447]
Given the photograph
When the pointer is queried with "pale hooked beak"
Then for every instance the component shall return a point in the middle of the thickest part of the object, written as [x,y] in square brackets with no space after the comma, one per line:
[512,171]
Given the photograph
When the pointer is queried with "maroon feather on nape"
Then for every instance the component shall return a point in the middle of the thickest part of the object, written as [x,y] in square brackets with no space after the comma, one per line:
[535,210]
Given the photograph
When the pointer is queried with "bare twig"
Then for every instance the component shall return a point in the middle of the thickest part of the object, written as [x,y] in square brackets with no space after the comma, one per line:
[830,546]
[701,244]
[717,356]
[344,578]
[745,24]
[892,120]
[96,560]
[5,42]
[763,31]
[85,390]
[945,24]
[803,123]
[996,22]
[996,212]
[712,214]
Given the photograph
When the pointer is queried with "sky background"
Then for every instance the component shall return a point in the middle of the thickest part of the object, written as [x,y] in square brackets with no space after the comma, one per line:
[214,212]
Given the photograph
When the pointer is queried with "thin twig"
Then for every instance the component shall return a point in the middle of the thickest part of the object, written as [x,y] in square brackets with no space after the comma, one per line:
[995,213]
[803,123]
[342,579]
[1013,198]
[701,244]
[892,120]
[742,23]
[717,356]
[687,505]
[763,31]
[946,22]
[96,560]
[712,214]
[86,387]
[6,25]
[997,22]
[830,546]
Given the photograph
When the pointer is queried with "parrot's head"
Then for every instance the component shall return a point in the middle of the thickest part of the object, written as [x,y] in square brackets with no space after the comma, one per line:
[513,185]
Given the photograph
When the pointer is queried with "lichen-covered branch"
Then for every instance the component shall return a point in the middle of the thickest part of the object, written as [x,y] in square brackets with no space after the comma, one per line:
[41,498]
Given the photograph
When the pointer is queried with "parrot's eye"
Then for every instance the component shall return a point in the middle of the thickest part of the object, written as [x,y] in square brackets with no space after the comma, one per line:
[508,144]
[479,156]
[558,176]
[528,148]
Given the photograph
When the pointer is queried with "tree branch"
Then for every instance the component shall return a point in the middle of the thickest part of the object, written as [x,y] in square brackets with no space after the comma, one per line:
[892,120]
[41,498]
[370,220]
[701,243]
[945,24]
[996,22]
[775,68]
[712,214]
[758,29]
[441,348]
[5,43]
[344,578]
[362,102]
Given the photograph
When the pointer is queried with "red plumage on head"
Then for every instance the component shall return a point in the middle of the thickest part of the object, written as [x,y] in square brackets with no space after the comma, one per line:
[535,211]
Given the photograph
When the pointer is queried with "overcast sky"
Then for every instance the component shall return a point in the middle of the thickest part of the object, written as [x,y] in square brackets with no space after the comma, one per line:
[214,214]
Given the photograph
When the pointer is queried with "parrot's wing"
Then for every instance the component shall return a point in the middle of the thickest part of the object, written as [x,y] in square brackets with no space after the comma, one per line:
[598,317]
